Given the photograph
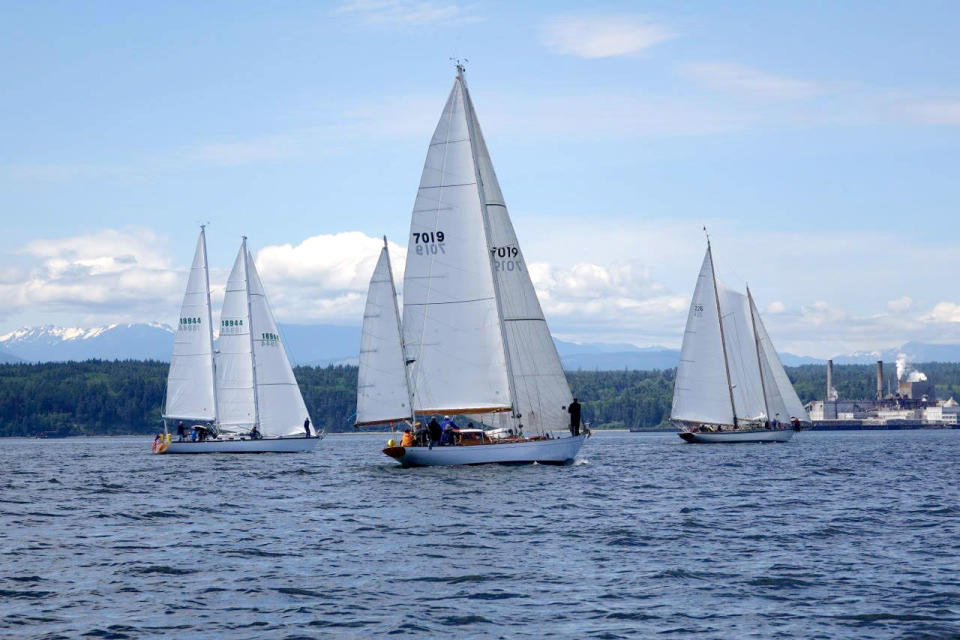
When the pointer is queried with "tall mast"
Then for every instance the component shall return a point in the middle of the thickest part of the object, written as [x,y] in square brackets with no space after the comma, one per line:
[756,344]
[253,353]
[723,340]
[468,109]
[213,358]
[403,344]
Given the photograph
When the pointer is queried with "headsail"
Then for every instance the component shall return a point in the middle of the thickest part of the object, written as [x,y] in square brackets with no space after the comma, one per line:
[279,401]
[235,353]
[451,325]
[781,393]
[701,392]
[382,391]
[191,392]
[742,355]
[540,387]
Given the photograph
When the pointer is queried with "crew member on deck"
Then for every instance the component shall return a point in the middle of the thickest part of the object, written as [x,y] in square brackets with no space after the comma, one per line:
[446,438]
[181,432]
[407,439]
[574,411]
[306,426]
[435,431]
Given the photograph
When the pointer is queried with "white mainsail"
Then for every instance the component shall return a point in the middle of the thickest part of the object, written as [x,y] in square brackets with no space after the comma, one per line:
[279,401]
[235,388]
[540,387]
[451,326]
[382,390]
[191,392]
[782,397]
[701,392]
[748,398]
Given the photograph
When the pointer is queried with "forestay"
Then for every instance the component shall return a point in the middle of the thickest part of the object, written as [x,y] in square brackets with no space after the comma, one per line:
[540,386]
[382,394]
[280,403]
[701,392]
[235,391]
[190,381]
[450,322]
[788,404]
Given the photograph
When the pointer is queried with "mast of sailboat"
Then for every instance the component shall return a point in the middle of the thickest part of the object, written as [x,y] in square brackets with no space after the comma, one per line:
[471,120]
[253,353]
[756,346]
[723,340]
[403,343]
[213,359]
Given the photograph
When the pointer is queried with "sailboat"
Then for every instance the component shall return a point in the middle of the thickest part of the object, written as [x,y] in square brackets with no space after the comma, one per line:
[244,396]
[473,341]
[730,384]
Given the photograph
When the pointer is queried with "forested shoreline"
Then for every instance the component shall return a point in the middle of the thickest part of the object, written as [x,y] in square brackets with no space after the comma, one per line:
[98,397]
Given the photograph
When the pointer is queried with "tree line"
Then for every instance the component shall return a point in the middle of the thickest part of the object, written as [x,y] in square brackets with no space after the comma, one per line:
[98,397]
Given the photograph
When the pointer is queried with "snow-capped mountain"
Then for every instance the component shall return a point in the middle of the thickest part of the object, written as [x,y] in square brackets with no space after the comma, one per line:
[136,341]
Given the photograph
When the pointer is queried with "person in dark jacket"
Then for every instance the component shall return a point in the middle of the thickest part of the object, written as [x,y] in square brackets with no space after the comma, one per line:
[436,432]
[306,426]
[574,411]
[181,432]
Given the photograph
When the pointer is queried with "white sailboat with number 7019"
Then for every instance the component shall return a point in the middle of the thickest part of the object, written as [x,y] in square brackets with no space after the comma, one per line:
[473,344]
[244,397]
[730,384]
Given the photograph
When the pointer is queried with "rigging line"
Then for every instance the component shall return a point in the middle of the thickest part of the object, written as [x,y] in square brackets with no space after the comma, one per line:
[424,304]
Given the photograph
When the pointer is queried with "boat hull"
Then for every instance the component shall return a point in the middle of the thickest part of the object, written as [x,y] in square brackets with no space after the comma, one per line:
[718,437]
[264,445]
[556,451]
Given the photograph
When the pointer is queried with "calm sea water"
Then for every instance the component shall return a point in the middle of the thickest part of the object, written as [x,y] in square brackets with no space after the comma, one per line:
[833,535]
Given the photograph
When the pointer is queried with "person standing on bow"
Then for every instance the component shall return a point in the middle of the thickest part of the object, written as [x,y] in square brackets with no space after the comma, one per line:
[574,411]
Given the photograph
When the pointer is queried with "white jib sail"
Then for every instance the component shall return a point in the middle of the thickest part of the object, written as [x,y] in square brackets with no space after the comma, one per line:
[382,394]
[190,383]
[540,386]
[700,392]
[281,407]
[789,405]
[235,392]
[451,325]
[742,355]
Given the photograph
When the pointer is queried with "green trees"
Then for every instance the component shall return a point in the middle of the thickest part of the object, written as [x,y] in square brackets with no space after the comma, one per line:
[98,397]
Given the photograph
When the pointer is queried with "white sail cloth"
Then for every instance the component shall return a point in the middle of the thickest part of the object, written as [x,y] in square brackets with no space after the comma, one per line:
[701,392]
[190,381]
[382,394]
[451,325]
[250,340]
[748,394]
[782,397]
[541,392]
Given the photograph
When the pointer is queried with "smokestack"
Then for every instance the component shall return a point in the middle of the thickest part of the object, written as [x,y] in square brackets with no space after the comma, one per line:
[829,381]
[879,379]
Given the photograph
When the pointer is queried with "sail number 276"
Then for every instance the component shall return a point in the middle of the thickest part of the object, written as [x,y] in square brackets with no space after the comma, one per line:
[429,242]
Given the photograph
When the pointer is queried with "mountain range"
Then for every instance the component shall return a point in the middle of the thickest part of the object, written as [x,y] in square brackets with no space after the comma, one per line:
[330,344]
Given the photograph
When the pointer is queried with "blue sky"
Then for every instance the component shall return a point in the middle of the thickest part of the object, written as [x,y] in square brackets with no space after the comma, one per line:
[818,140]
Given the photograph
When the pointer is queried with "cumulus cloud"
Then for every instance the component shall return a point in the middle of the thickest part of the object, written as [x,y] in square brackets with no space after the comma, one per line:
[409,12]
[743,79]
[116,272]
[324,277]
[776,307]
[945,312]
[600,36]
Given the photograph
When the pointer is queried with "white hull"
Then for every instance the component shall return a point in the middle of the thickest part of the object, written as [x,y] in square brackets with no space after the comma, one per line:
[264,445]
[737,436]
[557,451]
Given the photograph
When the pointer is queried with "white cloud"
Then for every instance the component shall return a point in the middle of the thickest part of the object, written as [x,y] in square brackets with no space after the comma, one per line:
[730,76]
[409,12]
[601,36]
[900,304]
[776,307]
[943,312]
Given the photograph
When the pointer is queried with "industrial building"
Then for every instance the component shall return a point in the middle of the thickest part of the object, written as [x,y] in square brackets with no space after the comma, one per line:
[913,406]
